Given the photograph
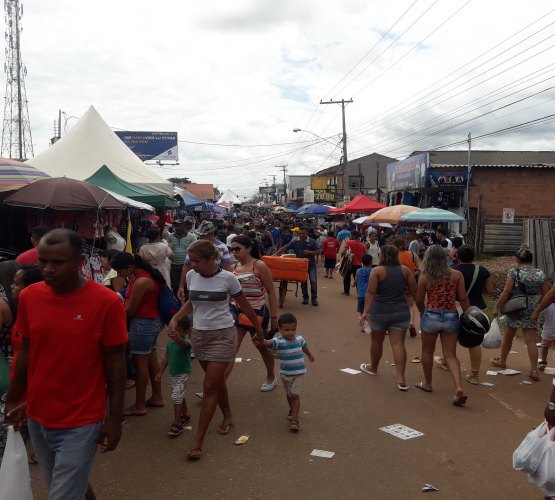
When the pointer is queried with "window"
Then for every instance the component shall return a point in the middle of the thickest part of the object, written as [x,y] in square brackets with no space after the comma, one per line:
[355,180]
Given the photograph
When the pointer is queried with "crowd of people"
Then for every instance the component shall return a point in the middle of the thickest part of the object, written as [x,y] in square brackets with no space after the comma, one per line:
[402,277]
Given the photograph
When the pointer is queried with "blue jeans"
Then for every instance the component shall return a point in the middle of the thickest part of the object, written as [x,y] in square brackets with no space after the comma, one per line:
[65,458]
[143,334]
[313,284]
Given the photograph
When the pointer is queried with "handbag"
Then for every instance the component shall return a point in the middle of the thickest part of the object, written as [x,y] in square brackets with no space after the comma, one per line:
[518,301]
[243,320]
[15,482]
[346,263]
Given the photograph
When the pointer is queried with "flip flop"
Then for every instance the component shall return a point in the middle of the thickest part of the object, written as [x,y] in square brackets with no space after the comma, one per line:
[364,368]
[132,412]
[422,387]
[403,387]
[225,429]
[459,400]
[194,454]
[416,359]
[153,405]
[175,430]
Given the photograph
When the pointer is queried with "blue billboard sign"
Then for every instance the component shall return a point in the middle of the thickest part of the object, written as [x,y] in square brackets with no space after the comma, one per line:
[408,174]
[157,146]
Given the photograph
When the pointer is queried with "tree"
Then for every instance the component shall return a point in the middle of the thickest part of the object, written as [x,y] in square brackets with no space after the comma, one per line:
[180,180]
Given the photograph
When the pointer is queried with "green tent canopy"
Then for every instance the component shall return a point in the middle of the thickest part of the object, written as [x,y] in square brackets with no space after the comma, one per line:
[105,178]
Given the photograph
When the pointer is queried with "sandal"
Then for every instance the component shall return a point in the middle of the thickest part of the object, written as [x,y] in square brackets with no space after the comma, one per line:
[534,375]
[497,363]
[542,365]
[422,386]
[175,430]
[472,379]
[460,400]
[412,331]
[440,363]
[224,429]
[194,454]
[132,412]
[294,425]
[366,369]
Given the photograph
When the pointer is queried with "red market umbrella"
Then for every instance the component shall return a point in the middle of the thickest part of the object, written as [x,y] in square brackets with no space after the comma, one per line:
[359,204]
[61,193]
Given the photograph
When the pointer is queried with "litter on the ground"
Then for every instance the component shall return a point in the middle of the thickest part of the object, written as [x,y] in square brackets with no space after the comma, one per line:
[238,360]
[350,371]
[188,428]
[491,372]
[242,440]
[429,487]
[487,384]
[391,364]
[401,431]
[513,352]
[508,371]
[306,412]
[526,382]
[322,453]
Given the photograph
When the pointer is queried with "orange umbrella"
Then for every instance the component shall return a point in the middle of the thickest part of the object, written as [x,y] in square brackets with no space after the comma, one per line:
[391,214]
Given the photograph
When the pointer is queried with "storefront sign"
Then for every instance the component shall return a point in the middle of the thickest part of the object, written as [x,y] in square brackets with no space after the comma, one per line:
[407,174]
[324,195]
[151,145]
[508,216]
[446,177]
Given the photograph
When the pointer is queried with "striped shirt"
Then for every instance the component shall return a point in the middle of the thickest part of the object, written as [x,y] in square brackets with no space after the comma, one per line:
[290,354]
[179,246]
[252,286]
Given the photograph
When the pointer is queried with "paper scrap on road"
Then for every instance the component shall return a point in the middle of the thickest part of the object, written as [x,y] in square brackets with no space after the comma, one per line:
[526,382]
[491,372]
[248,359]
[401,431]
[429,487]
[513,352]
[242,440]
[350,371]
[238,360]
[508,371]
[322,453]
[487,384]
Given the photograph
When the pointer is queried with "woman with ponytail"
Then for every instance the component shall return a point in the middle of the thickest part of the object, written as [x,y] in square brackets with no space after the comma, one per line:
[141,306]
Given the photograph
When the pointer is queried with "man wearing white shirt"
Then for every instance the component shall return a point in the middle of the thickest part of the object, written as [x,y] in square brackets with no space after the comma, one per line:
[441,235]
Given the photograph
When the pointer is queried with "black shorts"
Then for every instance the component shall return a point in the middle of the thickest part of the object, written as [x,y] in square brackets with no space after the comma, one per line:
[330,263]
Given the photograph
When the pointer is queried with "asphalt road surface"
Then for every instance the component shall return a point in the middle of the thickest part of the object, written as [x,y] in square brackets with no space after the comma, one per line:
[465,452]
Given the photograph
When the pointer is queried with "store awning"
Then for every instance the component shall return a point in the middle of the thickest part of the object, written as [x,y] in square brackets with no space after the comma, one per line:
[105,178]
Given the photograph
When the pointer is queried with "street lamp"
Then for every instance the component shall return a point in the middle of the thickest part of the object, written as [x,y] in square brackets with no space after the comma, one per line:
[315,135]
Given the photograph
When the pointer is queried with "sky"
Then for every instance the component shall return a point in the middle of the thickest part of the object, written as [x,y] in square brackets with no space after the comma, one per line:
[235,78]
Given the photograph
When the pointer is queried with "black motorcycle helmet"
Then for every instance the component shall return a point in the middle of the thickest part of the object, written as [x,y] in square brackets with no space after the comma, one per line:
[474,325]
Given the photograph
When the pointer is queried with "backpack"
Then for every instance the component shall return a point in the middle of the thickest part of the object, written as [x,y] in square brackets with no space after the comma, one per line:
[167,304]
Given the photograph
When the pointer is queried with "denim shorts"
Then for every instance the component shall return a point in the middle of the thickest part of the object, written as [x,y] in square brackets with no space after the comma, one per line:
[143,334]
[435,321]
[399,320]
[65,457]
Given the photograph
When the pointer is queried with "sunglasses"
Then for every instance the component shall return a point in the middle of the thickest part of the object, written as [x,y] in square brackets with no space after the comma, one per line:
[236,249]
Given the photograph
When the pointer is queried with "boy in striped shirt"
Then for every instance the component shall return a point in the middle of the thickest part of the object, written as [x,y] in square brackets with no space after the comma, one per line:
[290,349]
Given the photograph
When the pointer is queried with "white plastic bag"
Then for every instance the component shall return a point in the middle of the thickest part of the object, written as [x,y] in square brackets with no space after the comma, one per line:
[15,482]
[492,339]
[529,454]
[544,477]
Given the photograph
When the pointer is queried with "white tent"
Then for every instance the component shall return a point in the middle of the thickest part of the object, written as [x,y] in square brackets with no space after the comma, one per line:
[90,144]
[228,197]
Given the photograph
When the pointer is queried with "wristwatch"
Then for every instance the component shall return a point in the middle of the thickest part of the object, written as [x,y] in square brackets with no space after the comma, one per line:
[551,405]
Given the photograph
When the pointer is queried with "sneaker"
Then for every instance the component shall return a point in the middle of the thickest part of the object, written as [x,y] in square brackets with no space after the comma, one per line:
[314,302]
[305,301]
[265,387]
[199,394]
[294,426]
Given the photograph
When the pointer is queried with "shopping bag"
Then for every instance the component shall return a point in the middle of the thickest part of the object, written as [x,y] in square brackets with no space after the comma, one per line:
[544,477]
[529,454]
[15,482]
[492,339]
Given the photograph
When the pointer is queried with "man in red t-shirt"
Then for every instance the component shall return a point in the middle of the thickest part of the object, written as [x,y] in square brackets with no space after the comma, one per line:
[32,256]
[358,249]
[330,246]
[74,334]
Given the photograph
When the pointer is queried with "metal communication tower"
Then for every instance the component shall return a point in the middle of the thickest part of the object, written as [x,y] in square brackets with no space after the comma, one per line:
[16,132]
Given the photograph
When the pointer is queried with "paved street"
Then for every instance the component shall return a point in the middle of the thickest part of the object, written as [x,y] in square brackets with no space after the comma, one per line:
[465,452]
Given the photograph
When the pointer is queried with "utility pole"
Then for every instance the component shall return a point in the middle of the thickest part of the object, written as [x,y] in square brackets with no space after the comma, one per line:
[359,179]
[468,172]
[344,162]
[284,168]
[378,180]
